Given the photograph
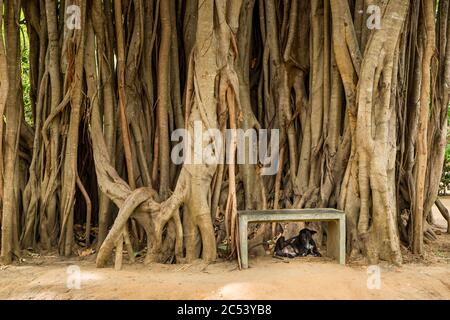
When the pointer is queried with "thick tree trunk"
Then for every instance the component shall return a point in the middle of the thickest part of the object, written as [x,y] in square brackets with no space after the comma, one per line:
[13,112]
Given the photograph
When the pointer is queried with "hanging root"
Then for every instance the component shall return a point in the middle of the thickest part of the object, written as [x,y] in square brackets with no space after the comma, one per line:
[169,210]
[444,211]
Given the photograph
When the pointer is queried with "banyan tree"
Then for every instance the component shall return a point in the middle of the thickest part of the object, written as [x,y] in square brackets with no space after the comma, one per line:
[91,92]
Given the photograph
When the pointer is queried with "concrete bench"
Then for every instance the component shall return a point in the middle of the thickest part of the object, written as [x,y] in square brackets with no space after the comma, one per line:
[335,234]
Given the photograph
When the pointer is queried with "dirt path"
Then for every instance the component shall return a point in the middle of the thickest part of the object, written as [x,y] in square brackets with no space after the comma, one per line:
[46,277]
[267,279]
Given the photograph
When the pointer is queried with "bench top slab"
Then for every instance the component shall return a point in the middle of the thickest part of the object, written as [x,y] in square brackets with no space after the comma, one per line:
[319,214]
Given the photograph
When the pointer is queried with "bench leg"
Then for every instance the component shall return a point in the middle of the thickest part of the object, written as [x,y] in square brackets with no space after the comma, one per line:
[243,237]
[333,239]
[342,235]
[336,240]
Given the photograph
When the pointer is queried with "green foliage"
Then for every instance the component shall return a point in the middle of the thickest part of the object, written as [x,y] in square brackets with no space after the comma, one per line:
[25,67]
[445,179]
[448,116]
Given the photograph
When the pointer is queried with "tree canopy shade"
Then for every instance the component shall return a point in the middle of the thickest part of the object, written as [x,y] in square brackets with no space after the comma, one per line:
[358,90]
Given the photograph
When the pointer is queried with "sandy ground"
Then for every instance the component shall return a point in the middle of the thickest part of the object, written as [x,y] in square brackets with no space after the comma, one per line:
[48,277]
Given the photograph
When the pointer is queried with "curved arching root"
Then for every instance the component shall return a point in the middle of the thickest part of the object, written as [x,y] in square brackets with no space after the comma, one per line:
[133,201]
[149,214]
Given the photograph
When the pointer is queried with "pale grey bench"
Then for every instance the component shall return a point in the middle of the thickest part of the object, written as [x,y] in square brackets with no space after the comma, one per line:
[335,233]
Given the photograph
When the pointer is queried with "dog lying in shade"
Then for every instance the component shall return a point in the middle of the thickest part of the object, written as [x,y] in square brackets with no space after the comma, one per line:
[298,246]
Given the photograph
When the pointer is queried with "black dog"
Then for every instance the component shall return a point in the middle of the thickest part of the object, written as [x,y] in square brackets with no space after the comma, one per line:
[299,246]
